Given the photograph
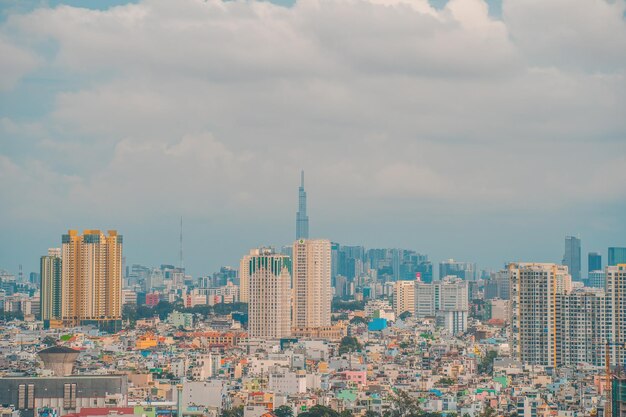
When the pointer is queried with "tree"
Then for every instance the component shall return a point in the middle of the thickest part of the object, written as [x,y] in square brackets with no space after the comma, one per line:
[372,413]
[358,320]
[49,341]
[486,364]
[446,381]
[338,305]
[284,411]
[233,412]
[320,411]
[403,405]
[404,315]
[487,412]
[349,344]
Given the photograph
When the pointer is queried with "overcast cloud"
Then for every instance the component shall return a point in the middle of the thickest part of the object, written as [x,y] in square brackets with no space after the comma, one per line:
[448,130]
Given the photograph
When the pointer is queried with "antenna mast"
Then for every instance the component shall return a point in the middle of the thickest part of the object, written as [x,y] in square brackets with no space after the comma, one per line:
[181,265]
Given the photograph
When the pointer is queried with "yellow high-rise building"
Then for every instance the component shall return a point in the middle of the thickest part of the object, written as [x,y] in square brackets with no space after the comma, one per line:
[311,283]
[92,279]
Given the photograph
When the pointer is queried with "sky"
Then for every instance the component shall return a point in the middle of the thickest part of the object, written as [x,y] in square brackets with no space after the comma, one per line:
[483,132]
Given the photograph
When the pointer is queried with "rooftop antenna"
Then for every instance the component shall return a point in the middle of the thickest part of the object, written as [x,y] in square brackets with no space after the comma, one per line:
[181,243]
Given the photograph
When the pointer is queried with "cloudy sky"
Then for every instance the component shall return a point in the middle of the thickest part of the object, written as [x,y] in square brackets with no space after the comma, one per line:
[465,129]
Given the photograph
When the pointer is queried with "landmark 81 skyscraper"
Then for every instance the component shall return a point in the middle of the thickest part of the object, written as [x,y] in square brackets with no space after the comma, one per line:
[302,220]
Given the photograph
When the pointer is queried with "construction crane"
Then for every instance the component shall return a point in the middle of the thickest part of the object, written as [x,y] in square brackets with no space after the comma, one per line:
[608,408]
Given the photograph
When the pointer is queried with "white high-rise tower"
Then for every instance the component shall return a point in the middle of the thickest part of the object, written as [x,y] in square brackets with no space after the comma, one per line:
[268,293]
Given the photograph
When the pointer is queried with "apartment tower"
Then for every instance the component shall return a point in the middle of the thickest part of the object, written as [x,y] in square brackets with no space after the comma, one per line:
[311,283]
[534,290]
[404,297]
[269,294]
[616,311]
[92,279]
[50,273]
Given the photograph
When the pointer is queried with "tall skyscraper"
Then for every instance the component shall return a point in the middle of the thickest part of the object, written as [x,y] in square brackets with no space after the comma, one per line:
[92,279]
[50,290]
[269,294]
[616,310]
[311,283]
[571,257]
[302,220]
[594,262]
[534,290]
[616,256]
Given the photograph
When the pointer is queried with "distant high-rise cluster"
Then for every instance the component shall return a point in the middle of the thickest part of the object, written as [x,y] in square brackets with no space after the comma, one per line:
[447,300]
[464,270]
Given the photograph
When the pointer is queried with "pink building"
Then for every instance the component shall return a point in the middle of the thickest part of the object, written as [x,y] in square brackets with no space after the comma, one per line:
[356,377]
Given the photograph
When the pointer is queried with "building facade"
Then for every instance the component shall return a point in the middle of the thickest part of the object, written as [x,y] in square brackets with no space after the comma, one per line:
[269,308]
[312,291]
[581,327]
[616,256]
[534,290]
[571,256]
[594,262]
[616,311]
[50,289]
[404,297]
[92,279]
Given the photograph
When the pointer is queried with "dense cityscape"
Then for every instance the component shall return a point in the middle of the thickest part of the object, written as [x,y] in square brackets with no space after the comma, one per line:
[312,208]
[314,329]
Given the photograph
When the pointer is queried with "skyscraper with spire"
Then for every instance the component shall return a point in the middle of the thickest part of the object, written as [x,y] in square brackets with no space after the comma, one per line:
[302,220]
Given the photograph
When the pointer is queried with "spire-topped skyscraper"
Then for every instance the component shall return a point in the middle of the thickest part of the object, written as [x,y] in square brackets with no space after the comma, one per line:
[302,220]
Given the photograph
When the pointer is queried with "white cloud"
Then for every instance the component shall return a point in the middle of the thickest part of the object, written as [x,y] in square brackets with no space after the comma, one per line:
[221,103]
[15,62]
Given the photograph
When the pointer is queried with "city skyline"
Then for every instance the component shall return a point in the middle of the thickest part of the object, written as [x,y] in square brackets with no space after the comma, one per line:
[304,221]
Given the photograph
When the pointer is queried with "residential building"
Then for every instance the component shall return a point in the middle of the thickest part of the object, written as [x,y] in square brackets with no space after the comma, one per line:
[269,309]
[596,279]
[404,297]
[311,283]
[50,289]
[616,311]
[581,327]
[92,279]
[534,289]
